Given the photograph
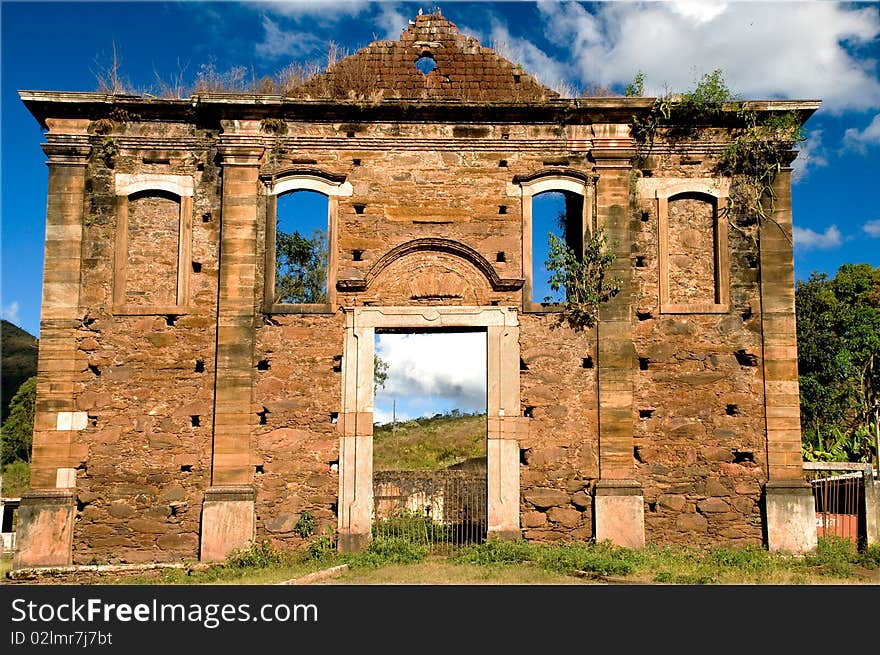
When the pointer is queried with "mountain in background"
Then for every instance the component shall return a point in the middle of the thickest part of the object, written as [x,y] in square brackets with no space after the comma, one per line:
[19,361]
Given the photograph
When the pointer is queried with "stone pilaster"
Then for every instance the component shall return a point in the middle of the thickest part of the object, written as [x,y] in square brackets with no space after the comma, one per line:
[505,428]
[45,532]
[789,502]
[618,501]
[355,425]
[229,524]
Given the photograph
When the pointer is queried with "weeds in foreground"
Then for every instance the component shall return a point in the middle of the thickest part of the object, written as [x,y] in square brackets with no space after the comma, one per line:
[834,561]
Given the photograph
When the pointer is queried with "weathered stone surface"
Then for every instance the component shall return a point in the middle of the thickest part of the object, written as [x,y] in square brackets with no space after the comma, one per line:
[544,497]
[283,523]
[691,523]
[712,505]
[533,519]
[564,516]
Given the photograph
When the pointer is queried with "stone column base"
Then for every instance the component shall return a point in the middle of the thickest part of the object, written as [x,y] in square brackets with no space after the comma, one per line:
[872,509]
[350,542]
[228,521]
[505,535]
[44,535]
[791,516]
[619,513]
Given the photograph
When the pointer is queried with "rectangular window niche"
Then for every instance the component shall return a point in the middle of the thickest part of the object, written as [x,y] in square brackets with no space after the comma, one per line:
[694,266]
[174,289]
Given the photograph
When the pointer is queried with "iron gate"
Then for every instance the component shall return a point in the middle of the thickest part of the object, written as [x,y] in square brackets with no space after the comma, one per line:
[440,509]
[839,496]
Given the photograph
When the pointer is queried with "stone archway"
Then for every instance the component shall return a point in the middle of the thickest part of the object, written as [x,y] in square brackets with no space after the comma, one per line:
[355,422]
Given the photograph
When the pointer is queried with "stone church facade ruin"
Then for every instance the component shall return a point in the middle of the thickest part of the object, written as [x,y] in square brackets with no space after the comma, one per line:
[183,412]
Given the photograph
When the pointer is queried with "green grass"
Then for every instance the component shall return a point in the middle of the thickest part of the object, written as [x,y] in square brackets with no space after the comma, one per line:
[429,443]
[400,561]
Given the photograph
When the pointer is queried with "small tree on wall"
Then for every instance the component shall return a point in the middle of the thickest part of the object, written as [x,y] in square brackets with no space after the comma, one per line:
[584,279]
[300,267]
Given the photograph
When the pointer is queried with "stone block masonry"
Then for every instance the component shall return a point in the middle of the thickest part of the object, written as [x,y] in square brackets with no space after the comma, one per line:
[182,413]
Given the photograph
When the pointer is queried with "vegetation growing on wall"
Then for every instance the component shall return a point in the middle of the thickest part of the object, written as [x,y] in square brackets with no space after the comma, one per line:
[760,142]
[585,279]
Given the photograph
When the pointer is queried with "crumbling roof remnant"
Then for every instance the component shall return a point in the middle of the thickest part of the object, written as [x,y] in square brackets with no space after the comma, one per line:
[462,70]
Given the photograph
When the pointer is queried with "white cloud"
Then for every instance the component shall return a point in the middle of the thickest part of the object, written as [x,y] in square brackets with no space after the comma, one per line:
[536,62]
[278,42]
[860,139]
[811,155]
[449,367]
[872,228]
[807,239]
[325,11]
[10,312]
[764,50]
[392,21]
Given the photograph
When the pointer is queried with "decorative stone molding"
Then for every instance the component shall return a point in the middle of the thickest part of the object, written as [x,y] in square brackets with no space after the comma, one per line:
[566,180]
[127,185]
[179,185]
[437,245]
[716,191]
[503,410]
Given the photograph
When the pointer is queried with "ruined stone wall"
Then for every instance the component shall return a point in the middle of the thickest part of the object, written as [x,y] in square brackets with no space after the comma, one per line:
[146,379]
[560,456]
[699,439]
[296,443]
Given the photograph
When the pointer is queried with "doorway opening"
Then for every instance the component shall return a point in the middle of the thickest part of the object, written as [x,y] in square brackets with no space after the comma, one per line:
[430,436]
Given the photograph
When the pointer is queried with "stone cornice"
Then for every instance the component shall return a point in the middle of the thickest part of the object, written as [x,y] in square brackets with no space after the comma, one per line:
[69,151]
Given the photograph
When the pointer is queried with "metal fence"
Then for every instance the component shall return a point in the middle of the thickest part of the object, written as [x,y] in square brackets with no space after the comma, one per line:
[441,509]
[839,496]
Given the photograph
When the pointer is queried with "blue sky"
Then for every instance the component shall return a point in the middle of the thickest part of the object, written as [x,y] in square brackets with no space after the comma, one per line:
[812,50]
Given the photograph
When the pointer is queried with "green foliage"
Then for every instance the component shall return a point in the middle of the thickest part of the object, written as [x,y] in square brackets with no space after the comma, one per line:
[19,361]
[380,373]
[108,151]
[708,95]
[636,88]
[300,267]
[760,148]
[429,443]
[259,555]
[834,556]
[18,429]
[410,526]
[324,547]
[584,279]
[305,525]
[386,550]
[602,558]
[16,478]
[838,335]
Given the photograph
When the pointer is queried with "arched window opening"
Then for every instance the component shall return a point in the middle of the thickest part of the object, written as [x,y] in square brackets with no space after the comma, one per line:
[557,216]
[301,248]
